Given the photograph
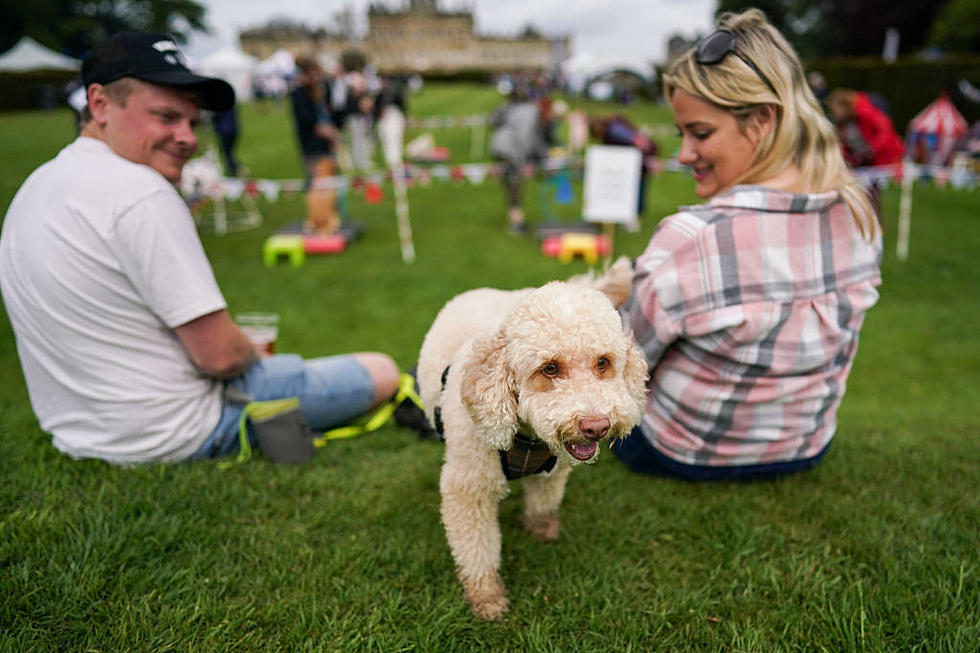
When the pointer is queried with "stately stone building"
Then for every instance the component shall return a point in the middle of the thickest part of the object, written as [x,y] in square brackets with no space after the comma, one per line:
[419,38]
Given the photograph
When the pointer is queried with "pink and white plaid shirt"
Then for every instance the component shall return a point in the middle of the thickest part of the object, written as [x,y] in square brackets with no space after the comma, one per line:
[748,308]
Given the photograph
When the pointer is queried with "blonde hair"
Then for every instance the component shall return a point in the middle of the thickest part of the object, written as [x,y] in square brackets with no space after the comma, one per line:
[802,134]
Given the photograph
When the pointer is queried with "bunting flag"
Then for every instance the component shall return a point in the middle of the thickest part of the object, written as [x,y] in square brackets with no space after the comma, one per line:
[475,173]
[270,190]
[961,175]
[445,122]
[482,120]
[372,193]
[232,188]
[440,172]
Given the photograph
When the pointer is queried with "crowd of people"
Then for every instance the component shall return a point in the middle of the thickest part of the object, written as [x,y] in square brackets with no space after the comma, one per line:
[335,112]
[324,109]
[130,354]
[337,117]
[348,104]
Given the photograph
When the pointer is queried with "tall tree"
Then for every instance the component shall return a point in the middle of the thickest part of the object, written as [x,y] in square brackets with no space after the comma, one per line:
[846,27]
[957,27]
[74,26]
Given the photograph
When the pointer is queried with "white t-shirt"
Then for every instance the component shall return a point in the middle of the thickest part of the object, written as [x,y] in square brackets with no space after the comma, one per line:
[99,261]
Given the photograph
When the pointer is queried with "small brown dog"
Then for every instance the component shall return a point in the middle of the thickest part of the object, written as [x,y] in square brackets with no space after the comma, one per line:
[321,200]
[524,384]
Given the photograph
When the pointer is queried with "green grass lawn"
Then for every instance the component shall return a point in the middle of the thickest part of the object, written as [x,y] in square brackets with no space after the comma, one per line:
[875,550]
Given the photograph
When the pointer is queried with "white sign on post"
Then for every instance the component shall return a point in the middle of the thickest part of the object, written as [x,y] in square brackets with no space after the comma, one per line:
[612,184]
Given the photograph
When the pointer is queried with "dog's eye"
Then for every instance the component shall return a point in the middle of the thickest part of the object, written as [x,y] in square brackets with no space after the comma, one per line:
[603,364]
[551,369]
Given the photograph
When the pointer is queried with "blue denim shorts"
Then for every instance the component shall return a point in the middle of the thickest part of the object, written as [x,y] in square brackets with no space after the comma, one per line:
[331,391]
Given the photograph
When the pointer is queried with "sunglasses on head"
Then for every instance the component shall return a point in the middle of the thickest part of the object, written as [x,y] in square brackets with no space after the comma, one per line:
[716,46]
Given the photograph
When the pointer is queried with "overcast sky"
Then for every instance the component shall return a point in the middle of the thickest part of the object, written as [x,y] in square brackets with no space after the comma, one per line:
[620,27]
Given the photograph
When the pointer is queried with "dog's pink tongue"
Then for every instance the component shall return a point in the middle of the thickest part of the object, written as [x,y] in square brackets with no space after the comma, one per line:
[581,451]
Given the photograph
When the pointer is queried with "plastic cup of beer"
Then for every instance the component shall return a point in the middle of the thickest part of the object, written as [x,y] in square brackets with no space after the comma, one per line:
[261,328]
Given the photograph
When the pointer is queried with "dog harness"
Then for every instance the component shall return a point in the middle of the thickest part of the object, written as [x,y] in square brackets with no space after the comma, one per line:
[528,455]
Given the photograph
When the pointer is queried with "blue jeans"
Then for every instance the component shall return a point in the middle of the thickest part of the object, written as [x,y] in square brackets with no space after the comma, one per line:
[331,391]
[640,456]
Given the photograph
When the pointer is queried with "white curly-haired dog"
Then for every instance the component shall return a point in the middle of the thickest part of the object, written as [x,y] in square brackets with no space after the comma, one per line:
[522,382]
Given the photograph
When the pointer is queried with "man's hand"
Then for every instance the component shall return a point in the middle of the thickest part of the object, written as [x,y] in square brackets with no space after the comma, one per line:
[217,346]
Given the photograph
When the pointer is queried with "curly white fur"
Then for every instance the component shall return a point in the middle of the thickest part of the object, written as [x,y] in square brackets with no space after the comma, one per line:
[553,362]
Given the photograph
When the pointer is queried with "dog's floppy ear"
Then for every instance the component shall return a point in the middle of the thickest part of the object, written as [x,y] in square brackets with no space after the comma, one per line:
[488,390]
[636,372]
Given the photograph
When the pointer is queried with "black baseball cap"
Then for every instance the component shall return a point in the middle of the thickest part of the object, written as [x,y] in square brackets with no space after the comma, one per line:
[155,58]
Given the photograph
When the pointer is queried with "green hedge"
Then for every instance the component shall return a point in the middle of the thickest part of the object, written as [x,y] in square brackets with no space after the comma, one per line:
[908,85]
[34,90]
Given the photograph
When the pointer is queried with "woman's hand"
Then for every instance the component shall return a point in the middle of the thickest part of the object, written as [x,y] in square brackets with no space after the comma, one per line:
[616,282]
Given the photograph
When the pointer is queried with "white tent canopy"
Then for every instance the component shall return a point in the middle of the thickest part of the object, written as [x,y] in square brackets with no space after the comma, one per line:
[233,66]
[271,74]
[280,62]
[588,66]
[28,55]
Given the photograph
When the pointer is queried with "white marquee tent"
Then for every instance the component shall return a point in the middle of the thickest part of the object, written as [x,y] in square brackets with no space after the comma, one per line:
[233,66]
[271,74]
[586,67]
[29,55]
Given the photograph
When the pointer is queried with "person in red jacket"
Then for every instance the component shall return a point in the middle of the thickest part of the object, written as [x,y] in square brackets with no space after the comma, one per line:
[867,135]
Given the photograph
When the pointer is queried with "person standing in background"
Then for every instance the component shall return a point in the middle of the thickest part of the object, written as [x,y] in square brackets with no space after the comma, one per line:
[519,140]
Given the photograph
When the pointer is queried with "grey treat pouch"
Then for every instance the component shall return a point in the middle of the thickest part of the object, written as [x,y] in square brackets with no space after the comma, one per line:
[281,431]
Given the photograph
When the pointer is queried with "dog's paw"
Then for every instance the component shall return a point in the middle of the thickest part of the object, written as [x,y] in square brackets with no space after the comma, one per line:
[544,527]
[491,608]
[488,600]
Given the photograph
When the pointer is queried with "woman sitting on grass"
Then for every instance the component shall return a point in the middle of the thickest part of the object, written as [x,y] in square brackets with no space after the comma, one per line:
[748,307]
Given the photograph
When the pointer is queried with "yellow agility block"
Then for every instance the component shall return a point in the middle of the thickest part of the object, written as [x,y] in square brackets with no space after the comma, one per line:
[585,245]
[288,245]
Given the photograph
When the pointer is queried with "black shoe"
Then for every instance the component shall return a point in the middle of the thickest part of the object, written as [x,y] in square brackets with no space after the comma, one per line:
[410,415]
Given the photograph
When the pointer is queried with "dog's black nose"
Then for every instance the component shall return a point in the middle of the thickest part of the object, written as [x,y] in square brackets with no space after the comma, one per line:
[594,428]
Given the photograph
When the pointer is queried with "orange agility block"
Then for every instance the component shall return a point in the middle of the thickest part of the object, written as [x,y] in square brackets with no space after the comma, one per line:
[567,246]
[551,246]
[329,244]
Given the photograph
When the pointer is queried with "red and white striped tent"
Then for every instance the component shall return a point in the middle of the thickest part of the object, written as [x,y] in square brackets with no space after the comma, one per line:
[935,131]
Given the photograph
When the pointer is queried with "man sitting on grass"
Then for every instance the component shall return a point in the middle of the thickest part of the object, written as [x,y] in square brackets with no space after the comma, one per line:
[127,347]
